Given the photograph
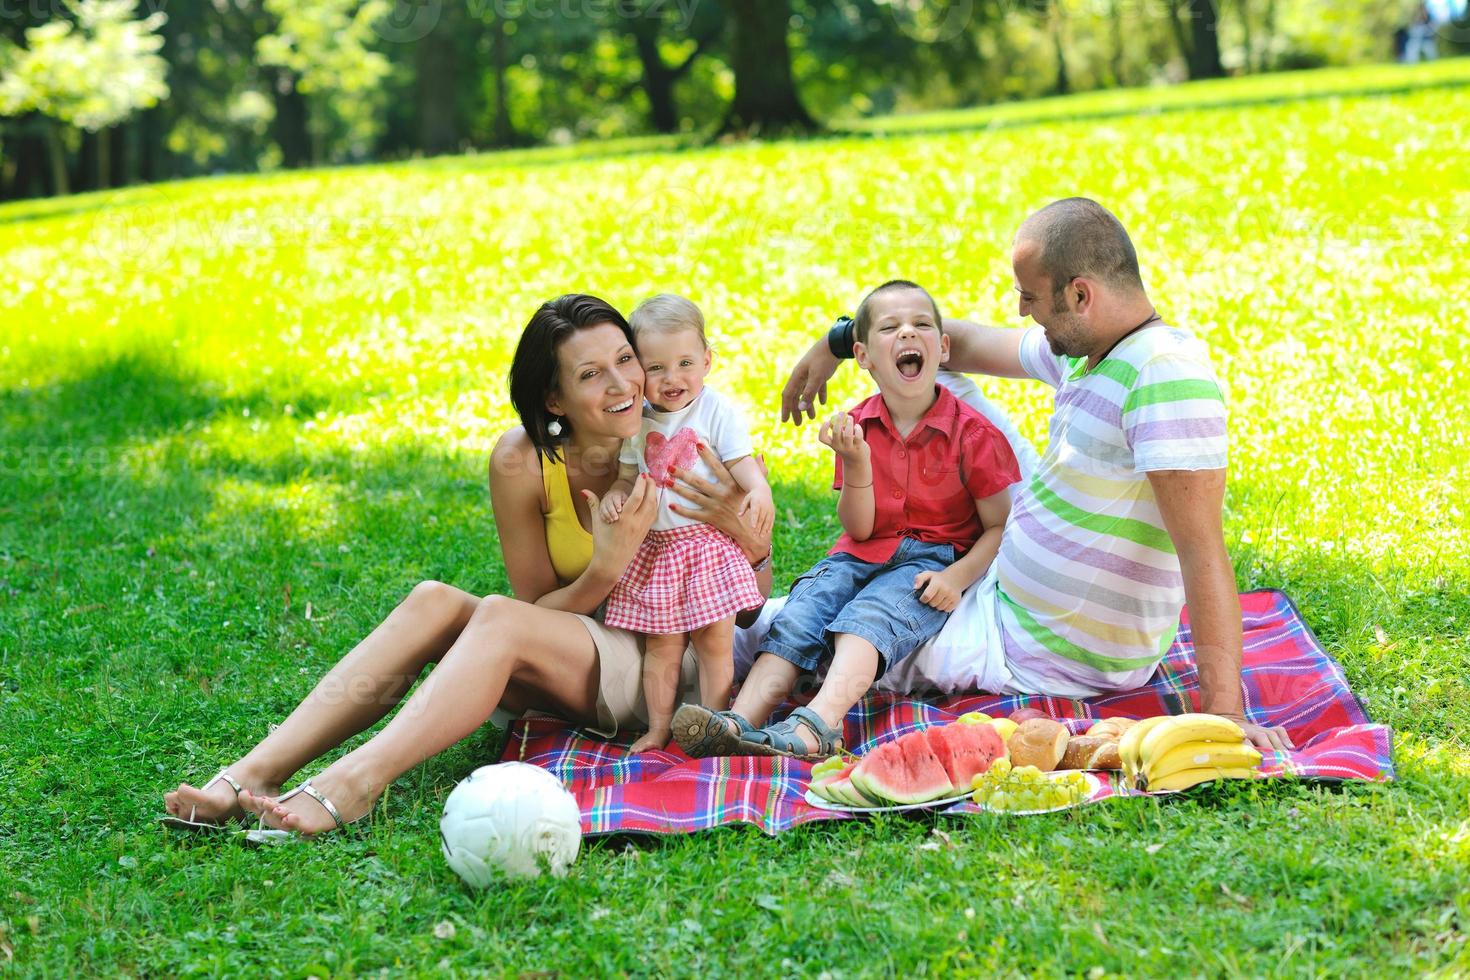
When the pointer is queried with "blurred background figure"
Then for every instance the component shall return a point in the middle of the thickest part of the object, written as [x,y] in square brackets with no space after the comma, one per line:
[1431,20]
[1419,40]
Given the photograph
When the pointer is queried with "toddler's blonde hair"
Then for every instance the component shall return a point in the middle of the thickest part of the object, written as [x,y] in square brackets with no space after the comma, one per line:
[667,313]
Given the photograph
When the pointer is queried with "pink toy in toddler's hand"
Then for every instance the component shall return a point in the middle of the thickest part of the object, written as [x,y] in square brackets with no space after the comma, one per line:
[662,456]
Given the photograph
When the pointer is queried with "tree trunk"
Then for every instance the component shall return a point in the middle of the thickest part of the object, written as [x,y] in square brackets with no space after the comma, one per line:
[437,56]
[1243,10]
[1269,29]
[10,164]
[289,126]
[104,159]
[60,185]
[30,166]
[658,78]
[1204,58]
[1064,82]
[150,145]
[1181,36]
[130,145]
[1119,53]
[504,133]
[765,92]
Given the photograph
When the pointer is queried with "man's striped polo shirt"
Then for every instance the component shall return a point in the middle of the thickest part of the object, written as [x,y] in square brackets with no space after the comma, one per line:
[1089,584]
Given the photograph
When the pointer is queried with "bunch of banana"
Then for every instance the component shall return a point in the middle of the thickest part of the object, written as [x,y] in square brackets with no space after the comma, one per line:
[1179,751]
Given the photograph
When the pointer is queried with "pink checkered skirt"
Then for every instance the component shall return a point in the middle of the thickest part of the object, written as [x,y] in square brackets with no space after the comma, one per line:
[682,579]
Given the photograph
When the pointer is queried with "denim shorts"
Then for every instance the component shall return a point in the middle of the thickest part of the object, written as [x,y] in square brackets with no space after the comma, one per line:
[878,602]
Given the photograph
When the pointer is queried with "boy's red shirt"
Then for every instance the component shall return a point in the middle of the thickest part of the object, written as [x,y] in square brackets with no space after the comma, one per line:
[925,486]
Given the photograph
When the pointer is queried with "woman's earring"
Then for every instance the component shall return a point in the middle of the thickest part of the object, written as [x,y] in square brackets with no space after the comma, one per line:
[554,427]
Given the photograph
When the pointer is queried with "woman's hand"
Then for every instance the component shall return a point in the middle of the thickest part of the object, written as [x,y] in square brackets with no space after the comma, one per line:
[719,504]
[615,543]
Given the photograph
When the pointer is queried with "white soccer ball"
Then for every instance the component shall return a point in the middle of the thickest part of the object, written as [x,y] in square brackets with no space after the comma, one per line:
[513,817]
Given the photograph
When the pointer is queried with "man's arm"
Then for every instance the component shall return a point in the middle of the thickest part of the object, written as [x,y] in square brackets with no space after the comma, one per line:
[1191,503]
[972,348]
[977,349]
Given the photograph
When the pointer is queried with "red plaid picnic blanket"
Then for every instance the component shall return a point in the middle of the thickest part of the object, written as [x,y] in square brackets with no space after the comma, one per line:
[1289,681]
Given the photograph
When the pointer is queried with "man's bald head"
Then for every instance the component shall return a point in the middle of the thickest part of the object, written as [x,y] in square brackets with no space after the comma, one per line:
[1077,238]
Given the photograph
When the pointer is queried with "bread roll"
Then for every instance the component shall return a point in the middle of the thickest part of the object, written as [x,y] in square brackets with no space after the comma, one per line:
[1039,742]
[1091,752]
[1111,727]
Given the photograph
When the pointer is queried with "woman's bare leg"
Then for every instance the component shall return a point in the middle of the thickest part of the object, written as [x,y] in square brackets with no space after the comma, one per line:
[548,655]
[353,695]
[663,655]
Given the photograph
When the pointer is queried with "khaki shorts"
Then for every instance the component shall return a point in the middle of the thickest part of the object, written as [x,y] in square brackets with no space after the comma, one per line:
[620,701]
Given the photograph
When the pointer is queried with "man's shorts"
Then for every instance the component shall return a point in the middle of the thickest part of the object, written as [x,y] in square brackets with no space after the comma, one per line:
[878,602]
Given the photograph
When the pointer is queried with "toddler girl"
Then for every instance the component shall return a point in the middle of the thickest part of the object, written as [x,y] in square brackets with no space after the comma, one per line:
[688,580]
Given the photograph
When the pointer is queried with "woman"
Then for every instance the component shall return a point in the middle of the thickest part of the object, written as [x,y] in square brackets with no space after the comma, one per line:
[578,388]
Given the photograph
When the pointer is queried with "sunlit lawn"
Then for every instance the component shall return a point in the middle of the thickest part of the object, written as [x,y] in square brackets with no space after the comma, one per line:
[240,417]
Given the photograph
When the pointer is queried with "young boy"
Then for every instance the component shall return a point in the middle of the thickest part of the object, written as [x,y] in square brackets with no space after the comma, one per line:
[923,480]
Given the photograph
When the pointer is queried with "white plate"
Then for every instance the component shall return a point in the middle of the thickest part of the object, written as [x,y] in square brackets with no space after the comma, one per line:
[1093,785]
[822,804]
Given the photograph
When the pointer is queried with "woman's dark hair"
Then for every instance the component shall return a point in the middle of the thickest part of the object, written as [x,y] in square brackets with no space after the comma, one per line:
[533,372]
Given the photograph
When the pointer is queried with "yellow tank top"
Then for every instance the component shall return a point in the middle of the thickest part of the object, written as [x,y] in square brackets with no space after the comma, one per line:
[569,543]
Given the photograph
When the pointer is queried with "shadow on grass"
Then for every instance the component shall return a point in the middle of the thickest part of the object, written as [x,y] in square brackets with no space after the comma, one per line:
[162,609]
[155,620]
[133,396]
[168,591]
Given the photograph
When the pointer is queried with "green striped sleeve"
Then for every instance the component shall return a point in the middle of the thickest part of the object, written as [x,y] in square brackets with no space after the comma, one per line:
[1185,389]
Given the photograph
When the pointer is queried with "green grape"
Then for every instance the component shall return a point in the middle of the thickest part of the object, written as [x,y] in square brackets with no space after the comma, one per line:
[999,768]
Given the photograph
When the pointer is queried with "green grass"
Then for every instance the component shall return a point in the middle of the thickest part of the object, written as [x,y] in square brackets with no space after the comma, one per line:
[224,399]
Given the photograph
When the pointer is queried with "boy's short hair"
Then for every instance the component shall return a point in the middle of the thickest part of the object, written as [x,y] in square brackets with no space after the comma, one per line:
[863,322]
[667,313]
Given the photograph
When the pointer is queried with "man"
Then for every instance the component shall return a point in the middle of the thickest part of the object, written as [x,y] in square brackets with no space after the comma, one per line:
[1121,523]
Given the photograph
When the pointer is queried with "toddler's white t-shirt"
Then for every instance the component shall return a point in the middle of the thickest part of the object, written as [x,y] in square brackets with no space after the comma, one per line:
[668,440]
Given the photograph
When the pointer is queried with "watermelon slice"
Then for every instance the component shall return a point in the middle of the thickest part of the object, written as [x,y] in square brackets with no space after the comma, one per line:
[965,750]
[823,785]
[905,770]
[850,795]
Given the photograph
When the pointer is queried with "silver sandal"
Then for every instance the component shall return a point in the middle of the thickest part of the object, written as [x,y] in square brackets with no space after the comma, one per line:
[276,835]
[173,821]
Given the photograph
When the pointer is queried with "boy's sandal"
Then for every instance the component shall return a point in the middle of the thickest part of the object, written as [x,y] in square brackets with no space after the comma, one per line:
[276,835]
[703,733]
[173,821]
[781,738]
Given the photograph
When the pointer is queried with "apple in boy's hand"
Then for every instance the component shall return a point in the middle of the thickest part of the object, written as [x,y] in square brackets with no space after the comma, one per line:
[1023,715]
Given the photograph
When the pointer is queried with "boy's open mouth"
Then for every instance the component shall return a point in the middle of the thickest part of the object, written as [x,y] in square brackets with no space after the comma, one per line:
[910,361]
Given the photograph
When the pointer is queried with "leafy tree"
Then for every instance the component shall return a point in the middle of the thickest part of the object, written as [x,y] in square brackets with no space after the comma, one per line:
[88,74]
[650,26]
[326,45]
